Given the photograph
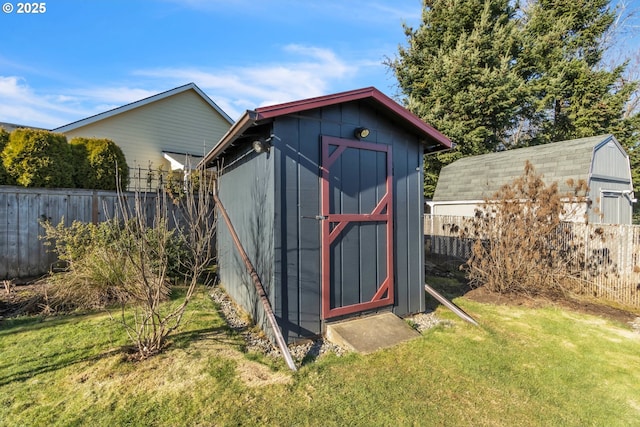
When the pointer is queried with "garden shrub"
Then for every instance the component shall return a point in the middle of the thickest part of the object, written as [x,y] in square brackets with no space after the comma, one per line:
[5,179]
[520,245]
[176,185]
[94,267]
[130,262]
[81,167]
[98,270]
[38,158]
[103,164]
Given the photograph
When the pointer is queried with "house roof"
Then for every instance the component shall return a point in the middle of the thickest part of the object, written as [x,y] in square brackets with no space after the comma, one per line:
[9,127]
[479,177]
[141,103]
[370,95]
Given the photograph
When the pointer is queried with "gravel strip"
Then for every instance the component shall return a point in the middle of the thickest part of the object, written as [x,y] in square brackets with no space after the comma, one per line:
[256,341]
[307,350]
[423,321]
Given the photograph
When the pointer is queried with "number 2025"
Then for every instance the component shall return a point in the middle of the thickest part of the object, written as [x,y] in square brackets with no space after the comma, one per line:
[31,8]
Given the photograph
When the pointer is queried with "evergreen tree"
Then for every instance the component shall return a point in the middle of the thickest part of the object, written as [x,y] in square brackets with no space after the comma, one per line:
[99,164]
[38,158]
[458,74]
[571,94]
[488,73]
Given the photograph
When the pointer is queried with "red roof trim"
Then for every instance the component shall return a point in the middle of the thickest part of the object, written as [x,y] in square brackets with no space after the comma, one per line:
[249,118]
[354,95]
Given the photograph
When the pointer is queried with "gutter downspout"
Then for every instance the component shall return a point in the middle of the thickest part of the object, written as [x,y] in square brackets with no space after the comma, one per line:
[258,284]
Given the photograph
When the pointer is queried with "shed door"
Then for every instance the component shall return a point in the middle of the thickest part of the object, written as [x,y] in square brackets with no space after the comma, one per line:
[356,226]
[610,207]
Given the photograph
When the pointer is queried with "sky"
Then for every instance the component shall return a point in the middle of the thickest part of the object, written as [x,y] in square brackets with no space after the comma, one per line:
[78,58]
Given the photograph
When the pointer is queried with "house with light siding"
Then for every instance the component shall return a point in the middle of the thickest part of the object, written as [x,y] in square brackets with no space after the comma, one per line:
[600,161]
[158,133]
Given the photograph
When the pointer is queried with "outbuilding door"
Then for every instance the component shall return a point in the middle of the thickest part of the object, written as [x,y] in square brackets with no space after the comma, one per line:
[356,226]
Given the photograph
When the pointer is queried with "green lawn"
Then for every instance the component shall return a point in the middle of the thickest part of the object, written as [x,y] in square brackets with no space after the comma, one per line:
[522,367]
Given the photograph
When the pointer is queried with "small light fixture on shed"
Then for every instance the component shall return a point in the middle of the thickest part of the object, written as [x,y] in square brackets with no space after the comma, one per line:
[261,146]
[361,132]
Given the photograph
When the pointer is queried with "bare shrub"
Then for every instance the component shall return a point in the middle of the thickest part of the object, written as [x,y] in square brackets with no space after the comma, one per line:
[133,259]
[190,219]
[520,246]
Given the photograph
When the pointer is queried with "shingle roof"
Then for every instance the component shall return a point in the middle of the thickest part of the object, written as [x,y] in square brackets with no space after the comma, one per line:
[478,177]
[142,102]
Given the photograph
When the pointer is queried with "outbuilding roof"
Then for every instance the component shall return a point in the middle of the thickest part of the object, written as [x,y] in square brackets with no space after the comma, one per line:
[371,95]
[479,177]
[141,103]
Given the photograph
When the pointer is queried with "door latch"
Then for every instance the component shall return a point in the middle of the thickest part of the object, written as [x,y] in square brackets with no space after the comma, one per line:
[317,217]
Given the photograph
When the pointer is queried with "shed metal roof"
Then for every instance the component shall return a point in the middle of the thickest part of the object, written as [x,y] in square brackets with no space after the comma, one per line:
[479,177]
[368,94]
[141,103]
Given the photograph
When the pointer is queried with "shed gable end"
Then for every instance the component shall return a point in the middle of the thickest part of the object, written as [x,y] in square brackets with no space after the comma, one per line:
[611,161]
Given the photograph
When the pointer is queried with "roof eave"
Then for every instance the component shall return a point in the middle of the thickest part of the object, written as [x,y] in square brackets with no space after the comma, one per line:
[247,120]
[425,131]
[140,103]
[422,128]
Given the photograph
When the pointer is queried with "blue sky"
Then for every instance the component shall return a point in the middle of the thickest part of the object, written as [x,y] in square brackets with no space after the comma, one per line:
[84,57]
[80,58]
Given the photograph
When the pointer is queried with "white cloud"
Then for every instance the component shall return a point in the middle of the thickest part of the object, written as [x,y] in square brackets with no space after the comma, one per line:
[305,71]
[115,96]
[21,105]
[302,72]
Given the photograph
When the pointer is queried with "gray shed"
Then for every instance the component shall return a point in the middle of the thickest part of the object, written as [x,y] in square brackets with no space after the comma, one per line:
[326,197]
[600,161]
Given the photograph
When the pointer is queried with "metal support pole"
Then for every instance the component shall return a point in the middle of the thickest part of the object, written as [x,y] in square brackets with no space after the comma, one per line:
[451,306]
[259,288]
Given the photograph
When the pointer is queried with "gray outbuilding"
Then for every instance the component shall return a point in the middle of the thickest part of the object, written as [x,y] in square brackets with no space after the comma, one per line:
[326,196]
[599,160]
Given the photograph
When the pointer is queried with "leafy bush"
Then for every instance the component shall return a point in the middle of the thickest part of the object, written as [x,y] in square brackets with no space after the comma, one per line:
[99,269]
[95,268]
[100,163]
[81,167]
[177,184]
[520,246]
[38,158]
[5,179]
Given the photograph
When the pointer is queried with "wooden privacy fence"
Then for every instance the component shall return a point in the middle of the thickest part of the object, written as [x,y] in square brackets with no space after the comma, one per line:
[611,251]
[22,252]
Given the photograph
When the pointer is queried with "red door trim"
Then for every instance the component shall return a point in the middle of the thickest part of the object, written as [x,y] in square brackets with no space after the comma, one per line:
[383,212]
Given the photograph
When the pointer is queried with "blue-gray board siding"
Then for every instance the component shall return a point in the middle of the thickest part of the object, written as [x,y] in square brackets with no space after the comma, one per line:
[297,195]
[297,240]
[409,249]
[273,199]
[246,191]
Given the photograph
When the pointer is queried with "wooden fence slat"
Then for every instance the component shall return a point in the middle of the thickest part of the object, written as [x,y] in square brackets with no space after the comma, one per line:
[4,231]
[613,248]
[22,252]
[11,250]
